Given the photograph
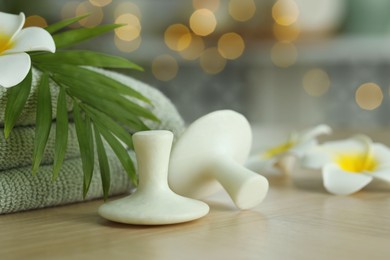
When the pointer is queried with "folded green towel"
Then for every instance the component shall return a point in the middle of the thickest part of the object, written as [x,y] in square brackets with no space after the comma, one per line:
[27,116]
[17,150]
[19,190]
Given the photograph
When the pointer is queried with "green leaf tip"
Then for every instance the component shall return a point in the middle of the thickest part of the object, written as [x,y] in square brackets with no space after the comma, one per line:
[72,37]
[53,28]
[84,58]
[103,163]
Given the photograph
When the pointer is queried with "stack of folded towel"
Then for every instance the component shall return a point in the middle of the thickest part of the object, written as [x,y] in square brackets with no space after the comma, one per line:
[19,190]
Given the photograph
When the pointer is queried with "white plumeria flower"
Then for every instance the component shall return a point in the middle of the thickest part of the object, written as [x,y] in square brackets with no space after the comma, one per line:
[15,63]
[282,157]
[349,165]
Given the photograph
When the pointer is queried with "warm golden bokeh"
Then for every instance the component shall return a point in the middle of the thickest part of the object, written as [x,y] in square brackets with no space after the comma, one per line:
[203,22]
[231,45]
[127,46]
[316,82]
[100,3]
[177,37]
[242,10]
[194,50]
[69,10]
[212,5]
[285,33]
[284,54]
[285,12]
[211,61]
[165,67]
[127,8]
[369,96]
[95,16]
[35,20]
[131,29]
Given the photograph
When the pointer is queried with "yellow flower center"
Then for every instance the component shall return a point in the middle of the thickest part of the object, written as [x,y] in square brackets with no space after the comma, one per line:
[357,163]
[278,149]
[5,43]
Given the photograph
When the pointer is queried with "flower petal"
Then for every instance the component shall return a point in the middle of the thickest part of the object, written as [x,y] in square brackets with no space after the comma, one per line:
[302,148]
[32,39]
[383,174]
[339,182]
[11,24]
[381,153]
[355,144]
[14,68]
[316,158]
[314,132]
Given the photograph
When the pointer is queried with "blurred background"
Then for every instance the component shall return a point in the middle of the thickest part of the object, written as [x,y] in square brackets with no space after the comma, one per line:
[279,62]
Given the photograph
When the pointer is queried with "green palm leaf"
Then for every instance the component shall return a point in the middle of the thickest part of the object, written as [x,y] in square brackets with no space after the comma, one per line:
[62,24]
[112,109]
[97,81]
[104,121]
[103,163]
[103,108]
[43,121]
[61,140]
[121,153]
[16,100]
[85,138]
[85,58]
[72,37]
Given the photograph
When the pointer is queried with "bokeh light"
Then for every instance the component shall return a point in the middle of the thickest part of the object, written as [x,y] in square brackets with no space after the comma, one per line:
[231,45]
[69,10]
[127,46]
[94,18]
[35,20]
[127,8]
[369,96]
[131,29]
[316,82]
[100,3]
[285,12]
[165,67]
[211,61]
[286,33]
[284,54]
[177,37]
[203,22]
[212,5]
[242,10]
[194,50]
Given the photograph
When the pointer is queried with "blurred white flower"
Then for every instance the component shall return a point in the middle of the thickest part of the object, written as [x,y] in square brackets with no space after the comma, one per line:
[15,63]
[349,165]
[282,158]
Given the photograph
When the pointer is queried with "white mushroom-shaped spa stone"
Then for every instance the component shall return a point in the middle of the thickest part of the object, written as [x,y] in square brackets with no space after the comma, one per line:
[211,150]
[153,203]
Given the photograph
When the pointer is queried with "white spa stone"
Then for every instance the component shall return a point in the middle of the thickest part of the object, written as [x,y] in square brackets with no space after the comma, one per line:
[211,150]
[153,203]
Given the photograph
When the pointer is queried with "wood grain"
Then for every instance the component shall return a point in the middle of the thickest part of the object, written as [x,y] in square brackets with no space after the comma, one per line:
[294,222]
[297,220]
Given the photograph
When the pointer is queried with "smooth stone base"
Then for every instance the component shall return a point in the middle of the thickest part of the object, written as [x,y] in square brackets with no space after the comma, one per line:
[153,209]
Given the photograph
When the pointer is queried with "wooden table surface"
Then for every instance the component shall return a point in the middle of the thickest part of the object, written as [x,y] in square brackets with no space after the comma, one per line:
[297,220]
